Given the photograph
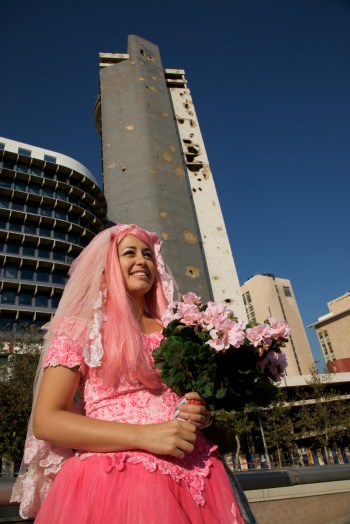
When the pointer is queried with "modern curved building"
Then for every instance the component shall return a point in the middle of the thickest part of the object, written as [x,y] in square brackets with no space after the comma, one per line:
[50,208]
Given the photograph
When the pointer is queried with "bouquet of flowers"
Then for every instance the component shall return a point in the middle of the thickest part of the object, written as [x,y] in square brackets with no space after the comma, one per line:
[228,362]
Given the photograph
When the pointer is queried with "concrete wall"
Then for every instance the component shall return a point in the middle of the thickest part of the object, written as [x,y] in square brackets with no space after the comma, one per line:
[319,503]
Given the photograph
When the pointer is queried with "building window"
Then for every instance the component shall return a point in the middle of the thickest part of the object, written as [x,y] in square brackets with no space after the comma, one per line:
[45,230]
[33,208]
[55,301]
[27,273]
[43,275]
[44,252]
[6,182]
[13,247]
[28,250]
[25,152]
[4,202]
[36,170]
[10,271]
[60,213]
[30,227]
[17,204]
[58,277]
[61,195]
[46,210]
[22,168]
[60,234]
[25,298]
[20,185]
[15,225]
[47,191]
[9,164]
[50,158]
[287,291]
[41,300]
[34,188]
[8,297]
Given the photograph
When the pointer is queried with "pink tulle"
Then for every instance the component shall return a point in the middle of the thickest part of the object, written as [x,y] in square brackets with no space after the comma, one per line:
[91,493]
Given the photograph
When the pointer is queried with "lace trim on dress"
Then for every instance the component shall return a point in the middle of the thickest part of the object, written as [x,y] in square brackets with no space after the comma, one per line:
[191,470]
[43,461]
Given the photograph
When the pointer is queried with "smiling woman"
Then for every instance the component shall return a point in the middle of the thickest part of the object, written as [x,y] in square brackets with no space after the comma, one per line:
[120,451]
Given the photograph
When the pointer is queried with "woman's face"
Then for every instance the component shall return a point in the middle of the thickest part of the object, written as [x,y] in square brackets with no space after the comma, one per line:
[137,266]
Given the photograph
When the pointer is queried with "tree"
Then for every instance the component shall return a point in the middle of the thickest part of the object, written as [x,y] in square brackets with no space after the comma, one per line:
[228,428]
[324,414]
[19,351]
[277,424]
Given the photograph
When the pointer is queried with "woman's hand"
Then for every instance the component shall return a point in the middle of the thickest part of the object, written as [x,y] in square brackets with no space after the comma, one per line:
[174,437]
[195,411]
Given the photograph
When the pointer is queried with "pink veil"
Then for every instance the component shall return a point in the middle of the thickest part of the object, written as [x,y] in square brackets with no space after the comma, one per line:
[79,318]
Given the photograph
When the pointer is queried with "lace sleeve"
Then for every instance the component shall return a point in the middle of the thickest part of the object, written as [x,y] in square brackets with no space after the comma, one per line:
[63,352]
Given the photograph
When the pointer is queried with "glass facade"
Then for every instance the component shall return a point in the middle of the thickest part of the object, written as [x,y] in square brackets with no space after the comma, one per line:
[49,211]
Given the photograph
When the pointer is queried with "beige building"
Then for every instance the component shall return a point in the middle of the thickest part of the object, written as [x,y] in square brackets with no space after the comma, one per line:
[333,330]
[266,295]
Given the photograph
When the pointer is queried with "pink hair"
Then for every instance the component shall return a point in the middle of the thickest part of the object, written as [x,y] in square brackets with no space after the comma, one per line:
[122,336]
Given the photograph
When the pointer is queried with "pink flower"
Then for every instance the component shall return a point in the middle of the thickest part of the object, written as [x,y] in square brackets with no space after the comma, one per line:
[236,335]
[188,314]
[259,335]
[213,315]
[279,329]
[169,314]
[215,342]
[191,298]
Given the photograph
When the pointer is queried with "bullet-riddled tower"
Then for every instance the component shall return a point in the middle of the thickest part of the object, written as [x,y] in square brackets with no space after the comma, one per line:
[156,172]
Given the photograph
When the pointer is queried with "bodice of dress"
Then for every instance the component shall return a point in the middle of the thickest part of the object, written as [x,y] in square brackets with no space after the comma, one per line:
[134,404]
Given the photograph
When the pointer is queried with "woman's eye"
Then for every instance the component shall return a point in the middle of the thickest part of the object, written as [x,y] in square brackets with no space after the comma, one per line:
[148,255]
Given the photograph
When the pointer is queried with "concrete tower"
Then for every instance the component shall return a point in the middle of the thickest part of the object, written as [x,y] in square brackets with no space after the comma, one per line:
[156,172]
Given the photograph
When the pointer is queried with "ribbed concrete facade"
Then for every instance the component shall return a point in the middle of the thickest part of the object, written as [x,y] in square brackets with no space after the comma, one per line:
[333,331]
[156,172]
[265,296]
[50,208]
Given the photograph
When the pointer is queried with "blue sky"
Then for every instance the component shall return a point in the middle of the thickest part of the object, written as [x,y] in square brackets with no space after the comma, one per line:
[270,80]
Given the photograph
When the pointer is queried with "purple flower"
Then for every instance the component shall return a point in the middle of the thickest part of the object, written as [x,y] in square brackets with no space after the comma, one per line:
[276,363]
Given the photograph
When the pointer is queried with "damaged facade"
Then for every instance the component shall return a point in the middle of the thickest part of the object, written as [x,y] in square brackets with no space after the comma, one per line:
[156,171]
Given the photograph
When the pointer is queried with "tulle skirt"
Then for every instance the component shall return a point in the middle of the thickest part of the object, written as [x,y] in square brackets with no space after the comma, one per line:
[83,493]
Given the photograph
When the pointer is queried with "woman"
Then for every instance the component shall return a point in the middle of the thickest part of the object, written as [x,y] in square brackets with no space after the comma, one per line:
[120,456]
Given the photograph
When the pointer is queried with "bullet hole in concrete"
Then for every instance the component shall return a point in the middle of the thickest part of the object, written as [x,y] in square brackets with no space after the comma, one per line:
[194,150]
[192,135]
[192,123]
[200,189]
[181,120]
[194,190]
[192,272]
[228,300]
[191,113]
[190,157]
[142,52]
[186,141]
[199,180]
[186,106]
[123,169]
[194,166]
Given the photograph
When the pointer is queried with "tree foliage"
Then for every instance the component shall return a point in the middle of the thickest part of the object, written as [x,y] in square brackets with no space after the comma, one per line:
[19,353]
[323,415]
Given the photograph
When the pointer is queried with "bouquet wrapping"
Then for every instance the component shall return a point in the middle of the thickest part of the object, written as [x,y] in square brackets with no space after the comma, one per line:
[230,363]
